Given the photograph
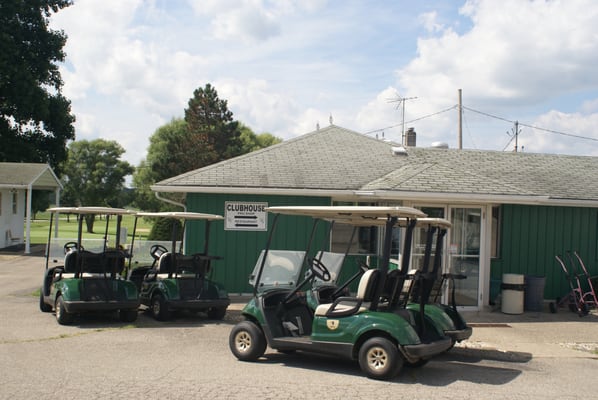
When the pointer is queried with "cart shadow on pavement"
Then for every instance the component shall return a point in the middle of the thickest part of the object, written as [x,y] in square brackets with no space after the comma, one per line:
[108,320]
[473,365]
[476,355]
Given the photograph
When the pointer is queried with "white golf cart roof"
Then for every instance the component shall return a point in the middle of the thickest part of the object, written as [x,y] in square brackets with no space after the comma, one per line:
[423,222]
[91,210]
[181,215]
[354,215]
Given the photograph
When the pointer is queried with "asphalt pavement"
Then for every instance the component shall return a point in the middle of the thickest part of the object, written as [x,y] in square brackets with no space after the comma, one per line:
[534,355]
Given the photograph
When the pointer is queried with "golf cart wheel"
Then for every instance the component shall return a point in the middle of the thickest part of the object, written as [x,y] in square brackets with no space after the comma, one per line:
[247,341]
[379,358]
[62,315]
[127,315]
[553,307]
[584,309]
[42,304]
[159,308]
[216,312]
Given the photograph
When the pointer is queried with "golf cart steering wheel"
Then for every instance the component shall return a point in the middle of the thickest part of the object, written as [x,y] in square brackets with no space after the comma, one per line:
[71,246]
[157,250]
[320,270]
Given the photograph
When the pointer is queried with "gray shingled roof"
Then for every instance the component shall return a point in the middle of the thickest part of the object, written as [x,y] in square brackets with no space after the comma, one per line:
[334,158]
[21,175]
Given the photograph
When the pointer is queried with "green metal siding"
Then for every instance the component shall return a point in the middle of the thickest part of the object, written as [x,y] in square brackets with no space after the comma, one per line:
[531,236]
[240,249]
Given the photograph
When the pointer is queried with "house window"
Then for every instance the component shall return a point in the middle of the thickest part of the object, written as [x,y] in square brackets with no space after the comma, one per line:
[495,239]
[15,198]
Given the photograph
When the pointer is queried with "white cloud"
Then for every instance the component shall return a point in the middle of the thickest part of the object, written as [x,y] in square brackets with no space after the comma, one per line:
[430,22]
[246,24]
[559,138]
[518,51]
[286,65]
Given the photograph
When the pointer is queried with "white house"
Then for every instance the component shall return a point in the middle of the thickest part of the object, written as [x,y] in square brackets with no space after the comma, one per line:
[17,182]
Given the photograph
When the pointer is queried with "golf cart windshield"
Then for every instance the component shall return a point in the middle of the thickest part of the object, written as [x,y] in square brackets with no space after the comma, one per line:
[281,269]
[334,264]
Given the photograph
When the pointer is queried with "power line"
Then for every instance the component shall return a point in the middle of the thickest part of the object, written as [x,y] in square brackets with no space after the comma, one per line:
[559,133]
[531,126]
[488,115]
[413,120]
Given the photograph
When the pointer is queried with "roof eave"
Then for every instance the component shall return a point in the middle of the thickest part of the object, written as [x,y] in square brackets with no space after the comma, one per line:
[370,195]
[473,198]
[252,190]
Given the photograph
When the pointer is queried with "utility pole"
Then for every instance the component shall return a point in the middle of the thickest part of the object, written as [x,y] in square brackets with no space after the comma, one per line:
[460,127]
[516,132]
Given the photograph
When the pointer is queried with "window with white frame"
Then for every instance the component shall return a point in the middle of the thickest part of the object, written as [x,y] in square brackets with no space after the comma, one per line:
[15,204]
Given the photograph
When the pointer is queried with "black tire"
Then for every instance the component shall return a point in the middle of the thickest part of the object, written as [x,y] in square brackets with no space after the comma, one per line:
[216,312]
[553,307]
[127,315]
[379,358]
[62,315]
[247,341]
[42,304]
[584,309]
[159,307]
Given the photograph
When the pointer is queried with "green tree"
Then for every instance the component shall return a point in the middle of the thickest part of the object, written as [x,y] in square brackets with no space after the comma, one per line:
[35,119]
[40,201]
[207,135]
[94,174]
[166,157]
[212,129]
[252,142]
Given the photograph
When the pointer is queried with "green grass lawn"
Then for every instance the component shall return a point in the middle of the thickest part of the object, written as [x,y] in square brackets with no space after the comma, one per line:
[68,228]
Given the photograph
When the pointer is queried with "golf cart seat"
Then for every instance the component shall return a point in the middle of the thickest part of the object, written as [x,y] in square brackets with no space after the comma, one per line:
[70,262]
[345,306]
[165,265]
[398,287]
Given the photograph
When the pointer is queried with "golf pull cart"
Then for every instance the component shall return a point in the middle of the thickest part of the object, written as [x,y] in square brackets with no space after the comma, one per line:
[177,281]
[351,327]
[90,277]
[428,285]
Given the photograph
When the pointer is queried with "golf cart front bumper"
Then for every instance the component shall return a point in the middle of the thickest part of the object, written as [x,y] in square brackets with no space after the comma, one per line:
[458,335]
[426,350]
[78,306]
[198,304]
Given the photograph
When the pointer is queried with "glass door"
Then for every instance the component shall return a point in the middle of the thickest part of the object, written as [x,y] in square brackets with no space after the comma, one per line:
[464,254]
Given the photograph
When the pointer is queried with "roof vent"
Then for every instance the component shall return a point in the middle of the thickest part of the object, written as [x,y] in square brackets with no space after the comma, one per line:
[439,145]
[398,150]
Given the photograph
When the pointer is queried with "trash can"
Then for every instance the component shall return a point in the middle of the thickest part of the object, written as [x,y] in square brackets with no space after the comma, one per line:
[534,293]
[513,286]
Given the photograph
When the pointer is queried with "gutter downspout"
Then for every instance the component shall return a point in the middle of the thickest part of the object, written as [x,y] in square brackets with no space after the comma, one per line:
[174,203]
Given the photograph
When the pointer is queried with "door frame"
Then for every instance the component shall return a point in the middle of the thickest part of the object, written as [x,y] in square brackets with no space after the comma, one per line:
[484,257]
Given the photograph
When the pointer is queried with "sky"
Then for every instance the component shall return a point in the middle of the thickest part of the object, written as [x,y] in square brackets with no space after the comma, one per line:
[288,66]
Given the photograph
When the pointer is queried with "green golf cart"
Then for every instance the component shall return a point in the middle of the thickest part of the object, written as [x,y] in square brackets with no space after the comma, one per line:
[415,287]
[426,289]
[89,274]
[358,327]
[175,280]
